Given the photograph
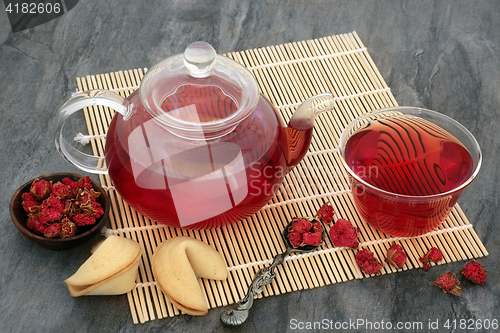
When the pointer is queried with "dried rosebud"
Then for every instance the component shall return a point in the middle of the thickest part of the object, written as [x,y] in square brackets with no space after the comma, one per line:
[84,219]
[311,238]
[396,256]
[316,227]
[301,225]
[40,189]
[83,183]
[448,282]
[30,204]
[70,183]
[53,203]
[325,213]
[475,272]
[52,231]
[343,233]
[70,207]
[295,239]
[85,196]
[98,211]
[61,190]
[93,208]
[367,262]
[34,224]
[68,228]
[433,255]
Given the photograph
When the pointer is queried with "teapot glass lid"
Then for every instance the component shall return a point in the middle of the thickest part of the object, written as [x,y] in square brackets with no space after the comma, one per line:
[199,94]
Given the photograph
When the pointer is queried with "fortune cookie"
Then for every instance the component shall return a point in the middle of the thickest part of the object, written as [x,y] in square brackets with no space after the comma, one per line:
[177,263]
[110,270]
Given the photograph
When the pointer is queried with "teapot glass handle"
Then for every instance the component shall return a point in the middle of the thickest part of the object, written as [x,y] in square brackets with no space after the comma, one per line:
[86,162]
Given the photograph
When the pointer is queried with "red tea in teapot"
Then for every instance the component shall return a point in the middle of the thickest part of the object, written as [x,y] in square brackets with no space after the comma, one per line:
[201,183]
[406,156]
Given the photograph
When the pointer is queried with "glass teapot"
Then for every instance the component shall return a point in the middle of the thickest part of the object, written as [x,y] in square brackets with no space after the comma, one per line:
[196,146]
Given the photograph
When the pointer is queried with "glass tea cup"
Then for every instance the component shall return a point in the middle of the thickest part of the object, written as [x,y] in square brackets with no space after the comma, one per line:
[407,167]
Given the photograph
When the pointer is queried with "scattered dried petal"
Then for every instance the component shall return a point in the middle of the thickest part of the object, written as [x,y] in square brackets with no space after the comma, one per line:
[396,256]
[367,262]
[325,213]
[448,282]
[343,233]
[433,255]
[475,272]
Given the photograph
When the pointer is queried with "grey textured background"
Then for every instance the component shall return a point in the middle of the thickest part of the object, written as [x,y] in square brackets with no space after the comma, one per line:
[441,55]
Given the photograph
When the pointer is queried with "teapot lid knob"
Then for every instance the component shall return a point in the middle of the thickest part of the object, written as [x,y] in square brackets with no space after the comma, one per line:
[199,59]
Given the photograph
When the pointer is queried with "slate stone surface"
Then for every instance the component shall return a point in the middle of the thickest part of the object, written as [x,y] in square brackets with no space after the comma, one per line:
[441,55]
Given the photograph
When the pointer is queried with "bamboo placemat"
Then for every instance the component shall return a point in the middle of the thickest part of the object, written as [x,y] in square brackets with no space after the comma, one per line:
[287,74]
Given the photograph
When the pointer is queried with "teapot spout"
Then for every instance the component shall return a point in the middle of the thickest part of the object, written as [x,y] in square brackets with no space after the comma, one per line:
[300,127]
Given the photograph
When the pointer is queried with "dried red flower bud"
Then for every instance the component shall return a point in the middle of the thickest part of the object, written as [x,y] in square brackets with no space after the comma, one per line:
[295,239]
[51,210]
[70,183]
[448,282]
[301,225]
[433,255]
[343,233]
[325,213]
[49,215]
[367,262]
[40,189]
[68,228]
[30,204]
[311,238]
[475,272]
[52,231]
[27,196]
[98,209]
[316,227]
[85,182]
[61,190]
[84,196]
[84,219]
[396,256]
[53,203]
[34,224]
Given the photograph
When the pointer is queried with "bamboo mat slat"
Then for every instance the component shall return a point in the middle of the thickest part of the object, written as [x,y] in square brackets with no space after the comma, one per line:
[287,74]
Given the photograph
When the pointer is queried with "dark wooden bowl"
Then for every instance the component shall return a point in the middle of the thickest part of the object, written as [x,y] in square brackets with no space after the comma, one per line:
[19,216]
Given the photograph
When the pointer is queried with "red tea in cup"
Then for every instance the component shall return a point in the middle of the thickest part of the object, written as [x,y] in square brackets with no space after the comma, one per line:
[407,169]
